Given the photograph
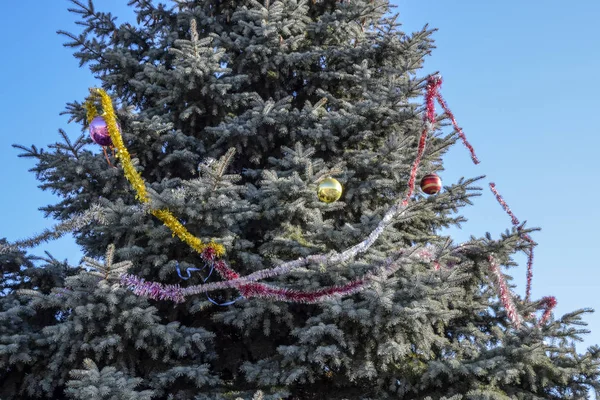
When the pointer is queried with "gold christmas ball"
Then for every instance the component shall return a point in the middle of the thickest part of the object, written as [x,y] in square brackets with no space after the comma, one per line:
[330,190]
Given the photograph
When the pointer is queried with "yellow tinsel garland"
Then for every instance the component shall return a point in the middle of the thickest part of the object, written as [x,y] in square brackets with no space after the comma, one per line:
[134,177]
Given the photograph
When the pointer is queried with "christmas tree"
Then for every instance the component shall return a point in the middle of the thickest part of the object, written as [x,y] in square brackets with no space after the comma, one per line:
[253,225]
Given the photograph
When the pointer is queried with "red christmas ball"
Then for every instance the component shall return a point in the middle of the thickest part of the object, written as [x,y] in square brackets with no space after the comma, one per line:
[431,184]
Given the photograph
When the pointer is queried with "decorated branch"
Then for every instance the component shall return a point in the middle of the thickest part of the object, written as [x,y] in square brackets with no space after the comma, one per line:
[106,126]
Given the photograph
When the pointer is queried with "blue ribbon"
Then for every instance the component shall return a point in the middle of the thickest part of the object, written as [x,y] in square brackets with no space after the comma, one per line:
[189,270]
[222,304]
[212,268]
[228,303]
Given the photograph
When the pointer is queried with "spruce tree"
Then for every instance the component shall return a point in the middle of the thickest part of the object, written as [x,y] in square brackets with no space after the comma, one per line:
[233,112]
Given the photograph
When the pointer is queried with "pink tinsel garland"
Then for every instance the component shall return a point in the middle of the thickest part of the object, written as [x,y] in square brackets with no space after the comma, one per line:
[504,293]
[524,236]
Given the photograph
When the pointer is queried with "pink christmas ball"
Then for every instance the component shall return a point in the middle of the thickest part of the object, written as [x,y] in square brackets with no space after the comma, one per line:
[99,131]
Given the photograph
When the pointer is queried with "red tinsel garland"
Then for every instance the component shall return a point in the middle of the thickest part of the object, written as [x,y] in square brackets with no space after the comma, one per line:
[457,128]
[433,85]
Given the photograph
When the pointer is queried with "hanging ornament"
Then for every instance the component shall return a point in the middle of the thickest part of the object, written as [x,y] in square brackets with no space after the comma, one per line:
[330,190]
[431,184]
[100,134]
[99,131]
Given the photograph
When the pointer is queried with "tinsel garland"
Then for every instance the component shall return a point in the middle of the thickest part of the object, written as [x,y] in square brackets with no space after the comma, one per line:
[248,289]
[248,285]
[433,86]
[548,303]
[504,293]
[523,235]
[460,132]
[152,290]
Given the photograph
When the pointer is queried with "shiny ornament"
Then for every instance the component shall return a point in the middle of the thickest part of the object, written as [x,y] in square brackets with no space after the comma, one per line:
[330,190]
[99,131]
[431,184]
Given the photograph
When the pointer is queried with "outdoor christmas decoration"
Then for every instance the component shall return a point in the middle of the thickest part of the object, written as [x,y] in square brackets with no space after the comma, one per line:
[248,286]
[134,177]
[224,269]
[431,184]
[99,131]
[329,190]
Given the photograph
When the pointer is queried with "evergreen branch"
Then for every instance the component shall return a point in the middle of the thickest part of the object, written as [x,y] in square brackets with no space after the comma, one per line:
[308,171]
[29,151]
[68,146]
[83,10]
[94,214]
[194,36]
[90,365]
[108,270]
[94,274]
[31,293]
[319,105]
[331,172]
[224,162]
[80,41]
[393,212]
[110,254]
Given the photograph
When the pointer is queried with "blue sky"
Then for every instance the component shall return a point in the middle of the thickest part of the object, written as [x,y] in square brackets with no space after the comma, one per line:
[521,78]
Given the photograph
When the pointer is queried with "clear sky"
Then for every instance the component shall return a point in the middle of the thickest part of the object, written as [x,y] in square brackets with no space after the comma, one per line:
[520,76]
